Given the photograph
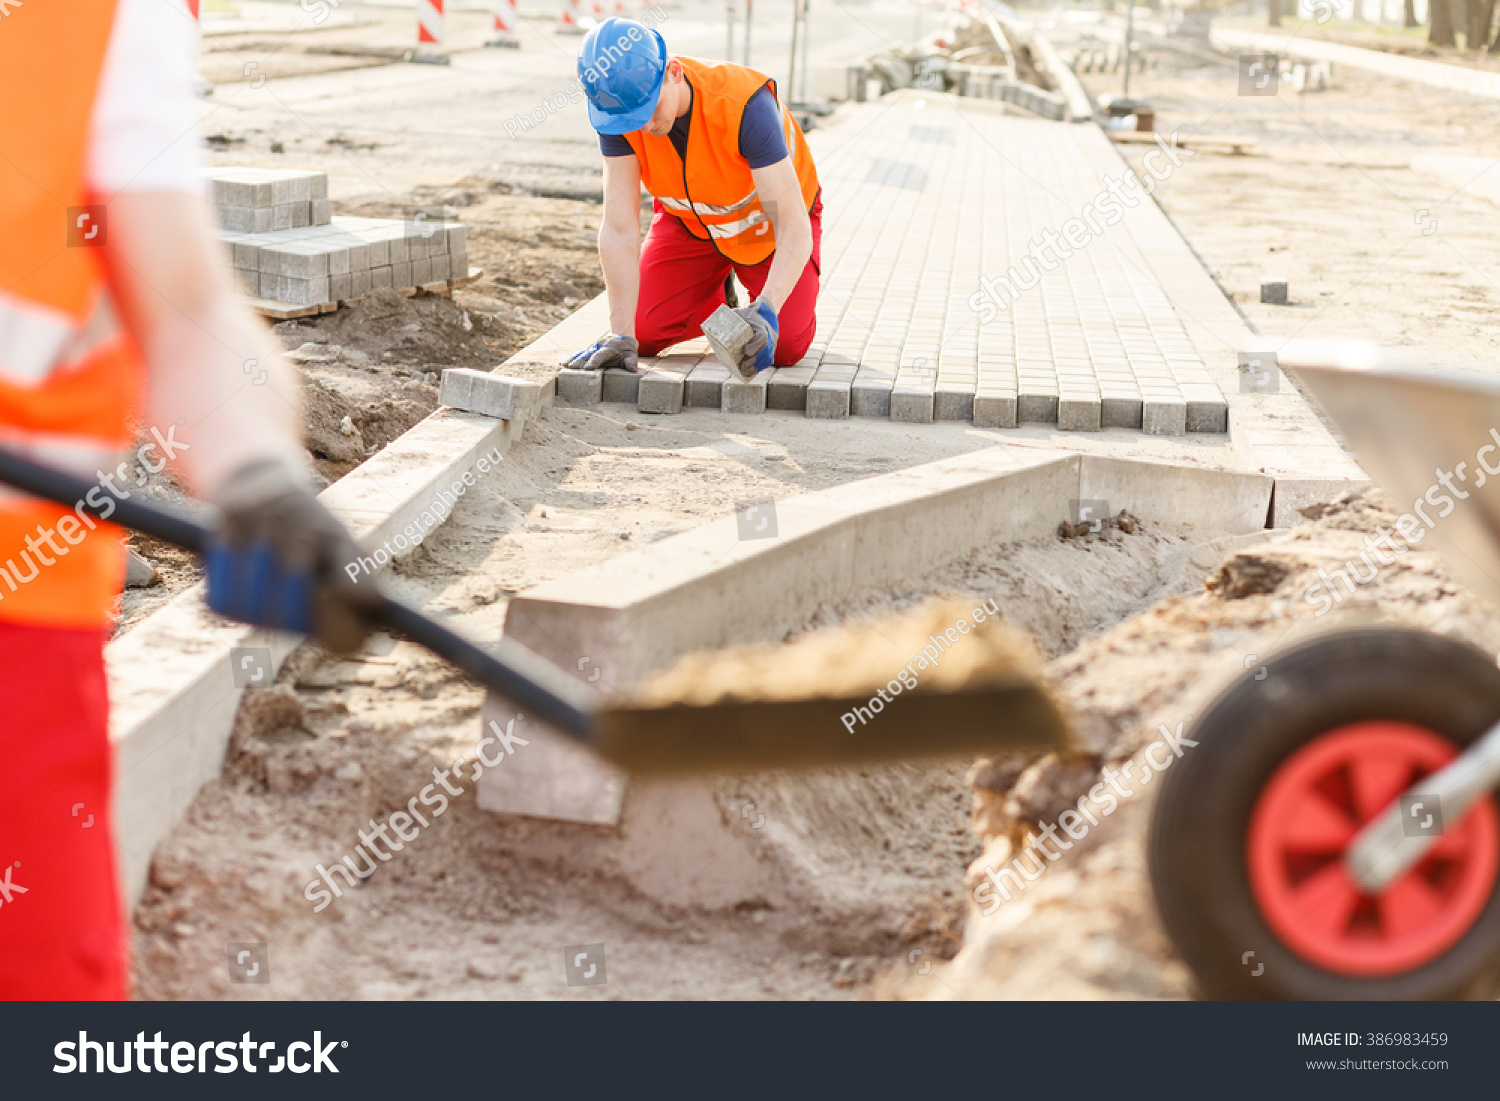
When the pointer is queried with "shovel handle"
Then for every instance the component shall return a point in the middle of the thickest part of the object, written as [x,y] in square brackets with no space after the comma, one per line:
[516,673]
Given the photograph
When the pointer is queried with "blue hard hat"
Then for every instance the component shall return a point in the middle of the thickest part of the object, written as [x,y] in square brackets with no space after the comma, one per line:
[621,67]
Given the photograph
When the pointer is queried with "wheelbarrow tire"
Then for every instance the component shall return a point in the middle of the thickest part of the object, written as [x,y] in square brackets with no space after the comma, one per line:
[1197,847]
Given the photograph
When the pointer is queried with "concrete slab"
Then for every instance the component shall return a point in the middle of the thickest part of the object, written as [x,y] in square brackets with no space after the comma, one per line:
[709,588]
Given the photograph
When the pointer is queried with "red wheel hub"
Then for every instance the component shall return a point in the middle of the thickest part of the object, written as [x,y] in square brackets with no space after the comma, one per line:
[1306,817]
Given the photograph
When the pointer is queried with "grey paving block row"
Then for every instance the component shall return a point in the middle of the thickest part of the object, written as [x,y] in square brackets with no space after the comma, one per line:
[1089,342]
[348,258]
[1036,100]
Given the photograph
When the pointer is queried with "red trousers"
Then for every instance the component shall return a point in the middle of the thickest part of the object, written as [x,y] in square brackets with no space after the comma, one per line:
[62,927]
[682,282]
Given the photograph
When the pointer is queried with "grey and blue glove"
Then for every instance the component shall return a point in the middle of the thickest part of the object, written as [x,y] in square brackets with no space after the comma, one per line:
[760,352]
[279,560]
[614,350]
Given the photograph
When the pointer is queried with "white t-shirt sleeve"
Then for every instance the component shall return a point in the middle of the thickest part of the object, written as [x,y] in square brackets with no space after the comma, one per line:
[144,134]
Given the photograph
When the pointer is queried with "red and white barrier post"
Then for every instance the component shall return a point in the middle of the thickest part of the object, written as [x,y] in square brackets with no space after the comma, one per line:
[430,23]
[504,24]
[572,17]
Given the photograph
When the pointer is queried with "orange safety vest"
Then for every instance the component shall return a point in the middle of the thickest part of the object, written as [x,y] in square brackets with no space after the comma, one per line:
[713,192]
[71,381]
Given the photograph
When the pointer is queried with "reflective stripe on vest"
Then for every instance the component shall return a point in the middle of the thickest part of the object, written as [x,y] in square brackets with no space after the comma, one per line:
[71,382]
[712,192]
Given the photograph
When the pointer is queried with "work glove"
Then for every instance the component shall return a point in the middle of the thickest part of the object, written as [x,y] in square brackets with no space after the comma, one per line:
[613,351]
[760,350]
[278,559]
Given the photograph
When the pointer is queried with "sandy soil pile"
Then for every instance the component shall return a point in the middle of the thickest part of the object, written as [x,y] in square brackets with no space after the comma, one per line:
[852,660]
[1087,928]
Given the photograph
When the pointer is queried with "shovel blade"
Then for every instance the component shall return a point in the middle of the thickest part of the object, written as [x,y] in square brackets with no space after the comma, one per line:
[751,736]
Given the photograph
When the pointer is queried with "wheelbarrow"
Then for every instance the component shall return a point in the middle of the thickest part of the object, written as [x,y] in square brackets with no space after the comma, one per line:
[1334,835]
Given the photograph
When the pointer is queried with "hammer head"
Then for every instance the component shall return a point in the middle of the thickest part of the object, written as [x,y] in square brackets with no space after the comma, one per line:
[728,334]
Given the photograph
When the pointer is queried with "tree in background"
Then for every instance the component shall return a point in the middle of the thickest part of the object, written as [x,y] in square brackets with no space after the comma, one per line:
[1440,23]
[1477,32]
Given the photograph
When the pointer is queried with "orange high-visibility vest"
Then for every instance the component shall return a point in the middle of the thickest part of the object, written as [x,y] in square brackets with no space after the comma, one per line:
[71,381]
[712,191]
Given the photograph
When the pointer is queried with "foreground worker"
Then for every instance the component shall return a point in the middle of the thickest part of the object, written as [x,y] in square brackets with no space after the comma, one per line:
[118,322]
[735,189]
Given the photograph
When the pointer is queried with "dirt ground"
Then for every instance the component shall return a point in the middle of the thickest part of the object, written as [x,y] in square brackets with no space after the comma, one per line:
[1328,200]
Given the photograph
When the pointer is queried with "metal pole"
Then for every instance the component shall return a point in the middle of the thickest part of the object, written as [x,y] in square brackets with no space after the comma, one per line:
[807,95]
[728,30]
[791,69]
[1129,44]
[749,11]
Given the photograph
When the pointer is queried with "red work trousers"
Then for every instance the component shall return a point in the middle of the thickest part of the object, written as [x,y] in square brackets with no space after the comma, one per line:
[62,926]
[682,282]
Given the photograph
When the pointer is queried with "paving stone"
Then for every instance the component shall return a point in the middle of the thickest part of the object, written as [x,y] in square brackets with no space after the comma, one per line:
[704,388]
[620,385]
[828,399]
[788,388]
[1078,414]
[1163,417]
[660,392]
[740,396]
[1207,416]
[579,387]
[303,292]
[1036,408]
[994,410]
[953,402]
[912,406]
[1120,412]
[870,397]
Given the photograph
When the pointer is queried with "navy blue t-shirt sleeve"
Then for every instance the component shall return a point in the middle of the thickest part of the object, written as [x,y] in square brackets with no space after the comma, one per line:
[615,145]
[761,139]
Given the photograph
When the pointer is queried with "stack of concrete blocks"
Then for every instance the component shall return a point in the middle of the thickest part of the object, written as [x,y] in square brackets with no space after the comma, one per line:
[262,200]
[331,260]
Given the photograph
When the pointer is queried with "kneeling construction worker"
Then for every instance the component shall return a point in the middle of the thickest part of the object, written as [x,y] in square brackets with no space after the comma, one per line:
[118,324]
[735,188]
